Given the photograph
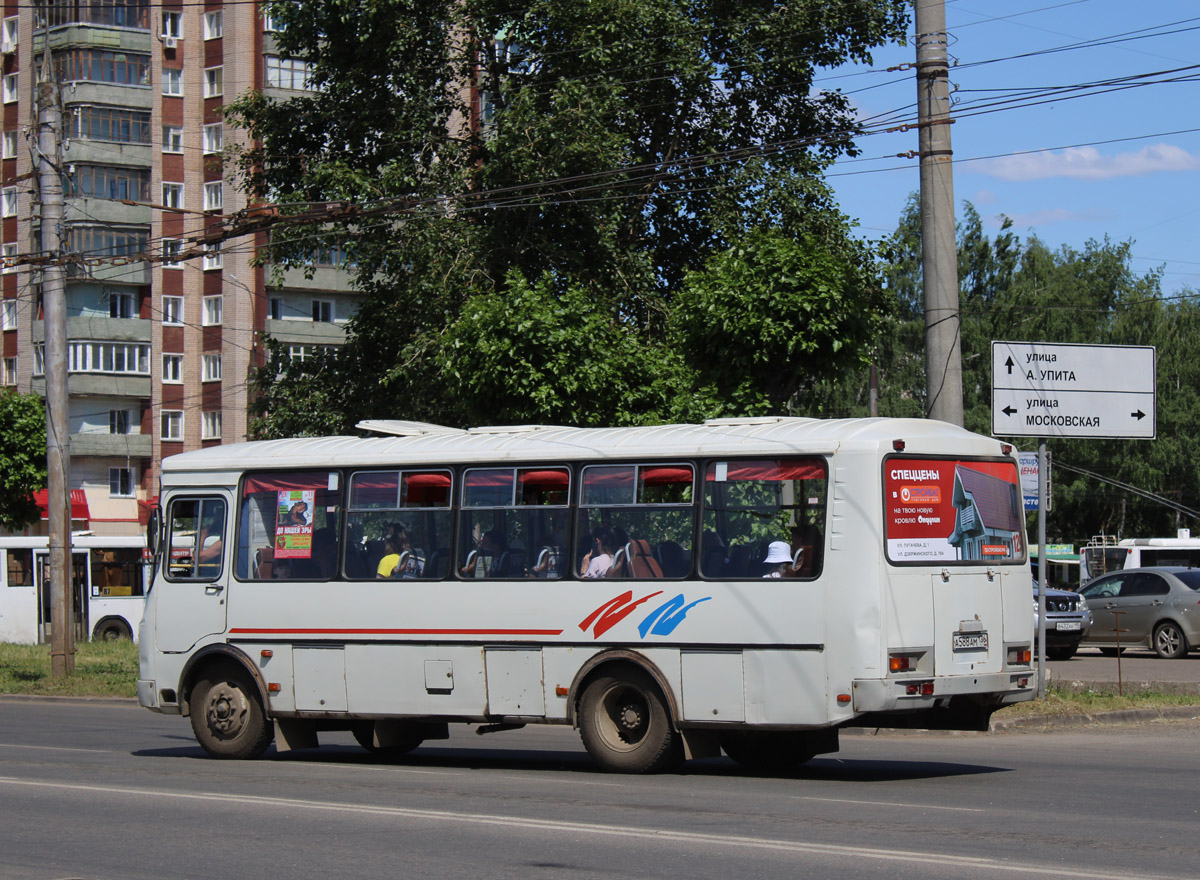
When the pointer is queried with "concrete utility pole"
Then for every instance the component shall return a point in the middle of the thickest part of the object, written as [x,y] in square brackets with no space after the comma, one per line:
[54,306]
[939,257]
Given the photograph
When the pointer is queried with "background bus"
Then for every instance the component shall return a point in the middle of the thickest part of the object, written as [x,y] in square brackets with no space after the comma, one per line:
[751,585]
[109,578]
[1105,554]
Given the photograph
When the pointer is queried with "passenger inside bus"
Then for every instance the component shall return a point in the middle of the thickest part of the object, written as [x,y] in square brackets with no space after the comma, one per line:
[599,558]
[778,561]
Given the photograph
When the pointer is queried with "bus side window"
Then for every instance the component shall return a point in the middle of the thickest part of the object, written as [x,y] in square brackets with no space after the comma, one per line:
[195,538]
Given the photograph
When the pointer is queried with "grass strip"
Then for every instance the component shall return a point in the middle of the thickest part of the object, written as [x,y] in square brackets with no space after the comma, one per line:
[102,669]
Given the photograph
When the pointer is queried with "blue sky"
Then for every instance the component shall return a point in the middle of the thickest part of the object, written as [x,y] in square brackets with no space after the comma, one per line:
[1114,163]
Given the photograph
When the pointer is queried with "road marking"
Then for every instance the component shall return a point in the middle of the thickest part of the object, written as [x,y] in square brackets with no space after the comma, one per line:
[56,749]
[888,804]
[556,825]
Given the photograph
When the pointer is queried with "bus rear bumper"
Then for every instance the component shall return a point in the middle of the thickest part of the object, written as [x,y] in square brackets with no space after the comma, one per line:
[958,702]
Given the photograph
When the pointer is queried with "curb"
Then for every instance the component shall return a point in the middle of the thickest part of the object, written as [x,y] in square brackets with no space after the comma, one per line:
[1113,716]
[91,701]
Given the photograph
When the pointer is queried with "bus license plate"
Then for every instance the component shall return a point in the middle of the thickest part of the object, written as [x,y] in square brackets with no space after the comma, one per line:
[970,641]
[1068,625]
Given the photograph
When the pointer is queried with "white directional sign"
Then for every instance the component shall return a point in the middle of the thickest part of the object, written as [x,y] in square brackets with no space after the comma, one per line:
[1042,389]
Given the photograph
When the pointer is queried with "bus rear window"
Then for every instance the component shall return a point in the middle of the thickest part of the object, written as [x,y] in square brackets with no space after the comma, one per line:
[952,510]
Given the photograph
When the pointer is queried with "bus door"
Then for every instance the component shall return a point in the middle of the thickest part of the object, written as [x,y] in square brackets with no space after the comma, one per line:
[191,594]
[79,594]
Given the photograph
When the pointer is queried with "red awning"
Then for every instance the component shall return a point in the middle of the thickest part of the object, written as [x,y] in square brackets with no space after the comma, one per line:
[79,505]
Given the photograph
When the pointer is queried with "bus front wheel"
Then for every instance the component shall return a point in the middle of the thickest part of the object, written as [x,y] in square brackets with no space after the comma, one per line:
[112,629]
[625,726]
[227,715]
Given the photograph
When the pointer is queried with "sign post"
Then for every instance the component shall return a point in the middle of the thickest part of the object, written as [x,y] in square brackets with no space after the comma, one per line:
[1044,389]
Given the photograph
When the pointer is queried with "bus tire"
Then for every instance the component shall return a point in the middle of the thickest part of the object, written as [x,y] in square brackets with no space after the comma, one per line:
[625,725]
[364,735]
[769,751]
[227,715]
[111,629]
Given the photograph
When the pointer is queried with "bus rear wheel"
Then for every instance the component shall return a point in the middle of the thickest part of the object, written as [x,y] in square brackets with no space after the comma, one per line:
[769,751]
[625,725]
[227,715]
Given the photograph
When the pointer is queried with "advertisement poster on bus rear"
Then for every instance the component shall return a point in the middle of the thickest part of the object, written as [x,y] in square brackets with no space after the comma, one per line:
[293,524]
[947,510]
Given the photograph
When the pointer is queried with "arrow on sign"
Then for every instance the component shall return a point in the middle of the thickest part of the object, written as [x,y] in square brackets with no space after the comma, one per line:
[1009,363]
[1139,415]
[1009,411]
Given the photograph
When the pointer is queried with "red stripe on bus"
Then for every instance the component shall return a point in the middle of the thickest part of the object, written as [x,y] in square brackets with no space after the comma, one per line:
[398,632]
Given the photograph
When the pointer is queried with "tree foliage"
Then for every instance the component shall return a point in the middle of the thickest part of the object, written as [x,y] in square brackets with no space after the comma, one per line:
[549,197]
[22,458]
[1026,291]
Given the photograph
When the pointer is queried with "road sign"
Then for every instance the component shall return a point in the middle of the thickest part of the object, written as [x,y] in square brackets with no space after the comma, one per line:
[1042,389]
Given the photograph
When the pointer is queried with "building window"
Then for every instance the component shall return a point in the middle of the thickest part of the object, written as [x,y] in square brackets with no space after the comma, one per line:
[212,257]
[211,314]
[212,25]
[118,421]
[8,88]
[8,36]
[10,371]
[111,182]
[39,358]
[121,305]
[172,195]
[304,352]
[275,306]
[172,425]
[172,81]
[108,357]
[103,65]
[270,25]
[212,82]
[8,258]
[322,311]
[8,201]
[172,369]
[9,150]
[214,138]
[171,249]
[172,309]
[288,73]
[172,139]
[210,428]
[120,482]
[118,13]
[172,24]
[214,196]
[107,241]
[111,124]
[8,314]
[212,368]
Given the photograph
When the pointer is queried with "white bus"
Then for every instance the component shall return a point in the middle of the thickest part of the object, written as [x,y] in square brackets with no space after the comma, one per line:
[746,584]
[1105,554]
[109,577]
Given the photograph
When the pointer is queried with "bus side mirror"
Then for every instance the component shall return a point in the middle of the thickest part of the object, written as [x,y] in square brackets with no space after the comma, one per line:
[154,531]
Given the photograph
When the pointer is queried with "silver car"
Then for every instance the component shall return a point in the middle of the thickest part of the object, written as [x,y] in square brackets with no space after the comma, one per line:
[1156,607]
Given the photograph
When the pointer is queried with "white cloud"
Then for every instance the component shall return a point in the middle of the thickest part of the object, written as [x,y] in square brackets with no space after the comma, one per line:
[985,197]
[1049,217]
[1087,163]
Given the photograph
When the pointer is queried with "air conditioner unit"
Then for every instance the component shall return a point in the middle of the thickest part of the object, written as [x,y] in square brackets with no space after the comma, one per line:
[170,42]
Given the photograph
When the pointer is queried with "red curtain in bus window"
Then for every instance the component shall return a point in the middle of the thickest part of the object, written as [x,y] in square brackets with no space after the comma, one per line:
[543,480]
[662,475]
[772,471]
[255,483]
[430,489]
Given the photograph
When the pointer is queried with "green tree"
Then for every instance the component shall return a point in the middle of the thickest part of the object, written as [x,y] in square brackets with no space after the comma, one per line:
[22,458]
[586,173]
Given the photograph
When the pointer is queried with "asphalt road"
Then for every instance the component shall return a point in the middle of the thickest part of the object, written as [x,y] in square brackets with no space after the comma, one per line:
[105,791]
[1137,666]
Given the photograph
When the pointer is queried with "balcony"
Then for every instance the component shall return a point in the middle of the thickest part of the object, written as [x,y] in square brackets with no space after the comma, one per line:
[111,445]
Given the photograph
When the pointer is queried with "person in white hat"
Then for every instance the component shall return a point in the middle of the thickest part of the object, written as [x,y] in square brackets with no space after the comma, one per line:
[779,557]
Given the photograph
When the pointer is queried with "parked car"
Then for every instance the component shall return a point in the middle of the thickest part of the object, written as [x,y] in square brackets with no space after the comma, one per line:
[1156,607]
[1068,621]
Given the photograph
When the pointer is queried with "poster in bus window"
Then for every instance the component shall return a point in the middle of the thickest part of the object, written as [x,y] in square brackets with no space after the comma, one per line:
[293,524]
[944,510]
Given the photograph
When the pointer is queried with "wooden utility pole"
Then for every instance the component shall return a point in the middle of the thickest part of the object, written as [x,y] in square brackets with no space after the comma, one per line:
[939,257]
[54,307]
